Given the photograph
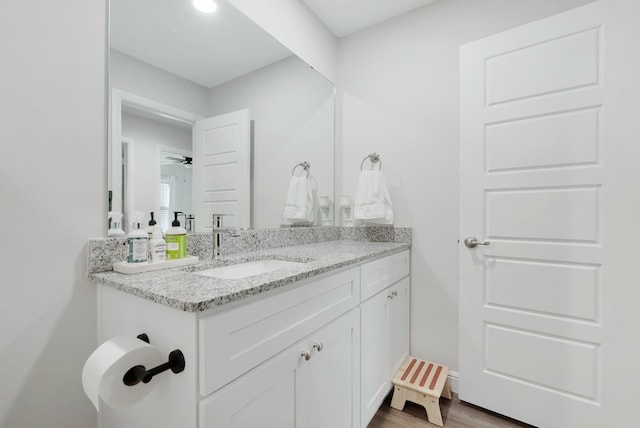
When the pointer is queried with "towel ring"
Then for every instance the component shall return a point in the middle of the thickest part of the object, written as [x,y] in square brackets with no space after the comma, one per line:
[305,165]
[373,158]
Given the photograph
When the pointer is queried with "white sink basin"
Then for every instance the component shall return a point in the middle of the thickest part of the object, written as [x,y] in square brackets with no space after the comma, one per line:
[244,270]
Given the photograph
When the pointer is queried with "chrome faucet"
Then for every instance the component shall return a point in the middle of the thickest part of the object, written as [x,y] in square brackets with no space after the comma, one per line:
[218,231]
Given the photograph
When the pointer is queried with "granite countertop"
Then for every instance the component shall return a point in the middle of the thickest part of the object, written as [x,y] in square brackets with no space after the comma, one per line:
[182,289]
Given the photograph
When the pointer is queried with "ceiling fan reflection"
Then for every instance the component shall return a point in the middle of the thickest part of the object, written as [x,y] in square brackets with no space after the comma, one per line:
[186,161]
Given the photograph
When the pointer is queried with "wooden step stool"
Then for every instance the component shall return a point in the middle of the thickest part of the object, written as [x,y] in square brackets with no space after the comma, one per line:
[421,382]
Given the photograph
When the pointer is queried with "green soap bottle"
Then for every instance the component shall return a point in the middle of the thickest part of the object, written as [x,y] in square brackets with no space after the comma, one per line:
[176,239]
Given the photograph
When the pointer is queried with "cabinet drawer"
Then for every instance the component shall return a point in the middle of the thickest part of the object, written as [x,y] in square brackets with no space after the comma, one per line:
[234,342]
[379,274]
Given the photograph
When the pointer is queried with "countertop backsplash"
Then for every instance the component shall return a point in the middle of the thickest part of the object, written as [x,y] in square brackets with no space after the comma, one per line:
[104,252]
[186,289]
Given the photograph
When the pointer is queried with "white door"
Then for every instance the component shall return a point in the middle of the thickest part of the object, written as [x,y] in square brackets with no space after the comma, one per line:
[290,391]
[263,398]
[398,325]
[384,344]
[549,147]
[375,381]
[328,396]
[222,170]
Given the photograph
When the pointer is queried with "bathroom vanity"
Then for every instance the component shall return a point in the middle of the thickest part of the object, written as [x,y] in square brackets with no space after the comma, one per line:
[313,344]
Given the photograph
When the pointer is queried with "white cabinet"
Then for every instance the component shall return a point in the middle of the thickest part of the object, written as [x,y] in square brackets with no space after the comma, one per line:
[384,335]
[331,380]
[263,398]
[309,385]
[297,357]
[172,403]
[234,341]
[381,273]
[398,324]
[374,376]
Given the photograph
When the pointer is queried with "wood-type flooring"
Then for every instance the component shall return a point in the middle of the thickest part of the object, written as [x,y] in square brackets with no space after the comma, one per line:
[455,413]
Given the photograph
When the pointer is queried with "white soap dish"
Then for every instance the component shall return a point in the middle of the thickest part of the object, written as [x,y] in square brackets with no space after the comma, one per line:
[129,268]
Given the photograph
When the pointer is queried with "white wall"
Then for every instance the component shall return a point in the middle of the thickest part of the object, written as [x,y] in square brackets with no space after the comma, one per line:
[149,137]
[398,95]
[295,26]
[292,109]
[134,76]
[52,193]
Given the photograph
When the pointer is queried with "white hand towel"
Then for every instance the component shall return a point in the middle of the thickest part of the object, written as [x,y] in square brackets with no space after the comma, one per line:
[299,205]
[373,203]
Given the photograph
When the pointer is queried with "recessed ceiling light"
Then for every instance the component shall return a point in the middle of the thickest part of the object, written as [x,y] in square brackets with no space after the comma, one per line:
[205,6]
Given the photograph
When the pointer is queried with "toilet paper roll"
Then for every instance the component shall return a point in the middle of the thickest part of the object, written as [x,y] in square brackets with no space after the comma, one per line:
[104,369]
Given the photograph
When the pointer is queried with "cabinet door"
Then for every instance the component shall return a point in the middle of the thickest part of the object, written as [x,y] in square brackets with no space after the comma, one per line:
[398,325]
[289,391]
[329,392]
[263,398]
[384,344]
[374,365]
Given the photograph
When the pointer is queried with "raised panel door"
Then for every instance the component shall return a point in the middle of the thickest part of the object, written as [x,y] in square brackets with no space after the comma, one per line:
[330,393]
[222,169]
[263,398]
[548,156]
[375,381]
[398,325]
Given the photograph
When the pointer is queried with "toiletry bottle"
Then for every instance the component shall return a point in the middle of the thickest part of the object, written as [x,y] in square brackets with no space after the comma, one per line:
[158,246]
[115,227]
[176,238]
[190,223]
[151,227]
[138,241]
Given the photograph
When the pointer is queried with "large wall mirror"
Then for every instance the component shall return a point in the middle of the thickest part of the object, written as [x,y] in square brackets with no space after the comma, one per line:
[210,97]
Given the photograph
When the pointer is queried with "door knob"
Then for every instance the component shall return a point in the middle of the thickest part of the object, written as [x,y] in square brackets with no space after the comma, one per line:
[472,242]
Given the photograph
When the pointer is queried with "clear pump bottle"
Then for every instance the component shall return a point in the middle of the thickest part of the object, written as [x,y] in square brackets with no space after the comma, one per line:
[158,246]
[138,241]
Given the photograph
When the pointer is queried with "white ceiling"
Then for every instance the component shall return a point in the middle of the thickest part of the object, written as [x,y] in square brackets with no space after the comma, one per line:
[208,49]
[344,17]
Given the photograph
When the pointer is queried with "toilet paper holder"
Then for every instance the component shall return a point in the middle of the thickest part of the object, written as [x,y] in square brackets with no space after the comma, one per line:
[137,374]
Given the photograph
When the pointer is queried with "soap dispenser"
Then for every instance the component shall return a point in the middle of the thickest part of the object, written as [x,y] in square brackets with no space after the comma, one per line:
[151,227]
[158,246]
[138,241]
[176,238]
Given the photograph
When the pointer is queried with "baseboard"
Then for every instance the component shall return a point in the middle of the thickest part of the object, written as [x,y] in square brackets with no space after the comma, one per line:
[453,381]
